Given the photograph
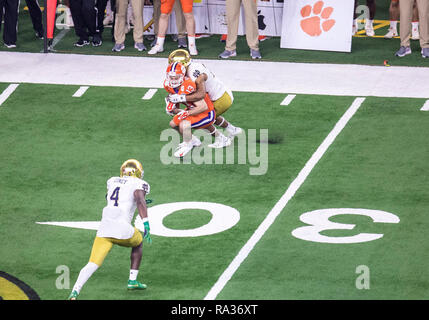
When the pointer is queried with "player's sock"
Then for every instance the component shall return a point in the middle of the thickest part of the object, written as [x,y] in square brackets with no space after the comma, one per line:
[191,40]
[394,25]
[133,274]
[369,24]
[84,275]
[160,41]
[221,122]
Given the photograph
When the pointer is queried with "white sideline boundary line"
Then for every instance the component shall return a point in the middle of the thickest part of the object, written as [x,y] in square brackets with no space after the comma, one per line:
[425,106]
[284,77]
[7,92]
[281,204]
[79,93]
[286,101]
[149,94]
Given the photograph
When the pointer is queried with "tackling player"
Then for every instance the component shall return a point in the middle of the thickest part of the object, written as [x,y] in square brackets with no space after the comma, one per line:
[206,82]
[197,115]
[124,194]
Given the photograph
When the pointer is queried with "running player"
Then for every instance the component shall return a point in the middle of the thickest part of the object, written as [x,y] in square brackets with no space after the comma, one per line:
[124,194]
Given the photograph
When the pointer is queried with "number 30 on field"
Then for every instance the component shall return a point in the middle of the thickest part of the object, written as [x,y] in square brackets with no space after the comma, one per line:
[318,221]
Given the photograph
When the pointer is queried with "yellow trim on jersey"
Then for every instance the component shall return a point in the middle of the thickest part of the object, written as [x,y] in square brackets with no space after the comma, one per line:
[102,246]
[222,104]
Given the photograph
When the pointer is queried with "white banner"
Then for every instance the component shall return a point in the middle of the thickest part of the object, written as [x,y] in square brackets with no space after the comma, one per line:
[318,25]
[210,17]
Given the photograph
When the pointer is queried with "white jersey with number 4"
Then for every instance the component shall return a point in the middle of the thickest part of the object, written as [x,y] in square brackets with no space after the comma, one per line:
[214,87]
[121,205]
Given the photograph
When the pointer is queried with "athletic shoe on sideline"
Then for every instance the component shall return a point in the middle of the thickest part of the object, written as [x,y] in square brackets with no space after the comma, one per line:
[118,47]
[139,46]
[96,40]
[39,35]
[370,31]
[156,49]
[81,43]
[255,54]
[391,34]
[425,52]
[228,54]
[181,43]
[403,51]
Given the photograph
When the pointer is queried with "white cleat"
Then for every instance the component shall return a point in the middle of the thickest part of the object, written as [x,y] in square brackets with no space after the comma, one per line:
[183,149]
[193,50]
[195,141]
[234,132]
[220,142]
[156,49]
[370,31]
[391,34]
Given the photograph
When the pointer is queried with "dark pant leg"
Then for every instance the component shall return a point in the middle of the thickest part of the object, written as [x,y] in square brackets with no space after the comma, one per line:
[372,8]
[90,16]
[101,7]
[78,20]
[35,14]
[2,3]
[10,21]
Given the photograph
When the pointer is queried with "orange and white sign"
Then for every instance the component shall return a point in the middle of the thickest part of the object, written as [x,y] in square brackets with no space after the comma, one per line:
[318,25]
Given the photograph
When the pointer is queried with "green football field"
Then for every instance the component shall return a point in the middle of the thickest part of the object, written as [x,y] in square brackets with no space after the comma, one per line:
[57,152]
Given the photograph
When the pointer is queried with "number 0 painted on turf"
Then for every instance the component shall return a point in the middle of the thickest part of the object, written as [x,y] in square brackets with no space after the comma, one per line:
[318,221]
[223,218]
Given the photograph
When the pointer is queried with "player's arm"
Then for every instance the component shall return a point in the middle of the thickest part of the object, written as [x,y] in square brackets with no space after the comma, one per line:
[200,106]
[198,95]
[139,196]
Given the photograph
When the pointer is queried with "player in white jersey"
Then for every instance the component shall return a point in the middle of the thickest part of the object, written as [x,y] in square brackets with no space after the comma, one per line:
[206,82]
[125,194]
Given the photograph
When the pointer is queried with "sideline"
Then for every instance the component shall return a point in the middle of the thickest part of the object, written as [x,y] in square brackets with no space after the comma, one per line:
[247,76]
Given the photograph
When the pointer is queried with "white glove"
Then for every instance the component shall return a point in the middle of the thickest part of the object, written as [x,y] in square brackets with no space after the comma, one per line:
[177,98]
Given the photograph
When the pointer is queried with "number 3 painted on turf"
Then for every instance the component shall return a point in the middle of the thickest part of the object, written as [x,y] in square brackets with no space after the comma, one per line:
[318,221]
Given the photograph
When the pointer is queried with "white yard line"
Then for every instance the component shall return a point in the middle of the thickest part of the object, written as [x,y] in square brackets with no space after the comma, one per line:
[7,92]
[79,93]
[149,94]
[286,101]
[281,204]
[425,106]
[268,77]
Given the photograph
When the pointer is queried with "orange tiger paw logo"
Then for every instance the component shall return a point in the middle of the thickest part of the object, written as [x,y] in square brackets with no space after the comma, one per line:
[313,26]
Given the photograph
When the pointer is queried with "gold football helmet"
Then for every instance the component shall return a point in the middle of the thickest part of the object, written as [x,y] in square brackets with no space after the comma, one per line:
[132,168]
[180,55]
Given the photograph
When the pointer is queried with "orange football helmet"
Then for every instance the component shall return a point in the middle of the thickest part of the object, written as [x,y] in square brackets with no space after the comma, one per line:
[175,74]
